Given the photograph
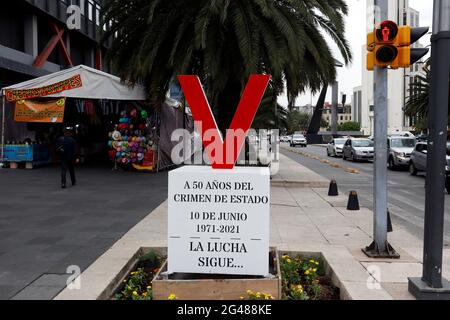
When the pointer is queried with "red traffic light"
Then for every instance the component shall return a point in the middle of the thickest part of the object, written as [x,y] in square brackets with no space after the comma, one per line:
[387,32]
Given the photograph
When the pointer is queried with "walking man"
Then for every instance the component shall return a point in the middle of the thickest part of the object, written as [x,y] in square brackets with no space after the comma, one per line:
[66,147]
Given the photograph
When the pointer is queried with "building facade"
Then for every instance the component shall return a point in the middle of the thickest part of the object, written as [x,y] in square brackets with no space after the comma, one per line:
[398,80]
[35,38]
[345,114]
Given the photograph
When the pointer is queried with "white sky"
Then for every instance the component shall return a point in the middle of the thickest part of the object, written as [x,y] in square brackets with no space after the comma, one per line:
[350,77]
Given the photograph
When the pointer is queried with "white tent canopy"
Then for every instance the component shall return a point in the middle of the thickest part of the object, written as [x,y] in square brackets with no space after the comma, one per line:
[95,85]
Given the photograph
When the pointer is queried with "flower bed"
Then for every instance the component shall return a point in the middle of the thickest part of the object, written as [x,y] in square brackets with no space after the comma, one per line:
[138,284]
[305,279]
[301,279]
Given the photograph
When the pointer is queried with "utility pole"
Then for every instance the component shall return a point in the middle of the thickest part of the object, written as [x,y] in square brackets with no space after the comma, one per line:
[334,107]
[431,285]
[380,248]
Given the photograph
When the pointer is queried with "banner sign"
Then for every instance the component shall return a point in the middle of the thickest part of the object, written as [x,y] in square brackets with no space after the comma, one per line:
[68,84]
[219,221]
[37,111]
[18,153]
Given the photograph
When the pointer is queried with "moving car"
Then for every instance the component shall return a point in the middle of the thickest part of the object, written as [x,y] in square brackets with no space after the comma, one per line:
[298,140]
[418,162]
[358,149]
[400,149]
[335,147]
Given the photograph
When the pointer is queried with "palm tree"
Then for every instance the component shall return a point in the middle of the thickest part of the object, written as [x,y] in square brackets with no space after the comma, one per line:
[270,115]
[225,41]
[418,101]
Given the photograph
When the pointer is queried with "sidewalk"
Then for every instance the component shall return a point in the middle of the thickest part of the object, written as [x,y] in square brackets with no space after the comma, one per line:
[302,219]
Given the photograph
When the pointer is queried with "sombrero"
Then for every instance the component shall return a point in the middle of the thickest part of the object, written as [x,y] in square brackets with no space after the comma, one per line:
[116,135]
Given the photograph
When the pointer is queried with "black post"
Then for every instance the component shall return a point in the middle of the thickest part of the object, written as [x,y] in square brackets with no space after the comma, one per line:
[432,286]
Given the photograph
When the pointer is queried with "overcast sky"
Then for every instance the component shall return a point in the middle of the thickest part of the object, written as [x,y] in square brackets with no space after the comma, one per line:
[350,77]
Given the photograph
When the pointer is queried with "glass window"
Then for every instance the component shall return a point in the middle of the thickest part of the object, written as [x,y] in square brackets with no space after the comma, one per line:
[362,143]
[403,143]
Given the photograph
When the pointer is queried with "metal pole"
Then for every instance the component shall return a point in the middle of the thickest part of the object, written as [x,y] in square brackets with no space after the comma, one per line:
[334,107]
[380,248]
[2,163]
[432,286]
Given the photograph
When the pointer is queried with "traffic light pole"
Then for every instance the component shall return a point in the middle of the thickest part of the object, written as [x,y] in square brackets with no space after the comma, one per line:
[334,108]
[431,285]
[380,248]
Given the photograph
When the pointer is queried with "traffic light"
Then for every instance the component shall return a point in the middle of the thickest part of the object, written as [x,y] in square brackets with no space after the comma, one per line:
[386,51]
[389,46]
[408,36]
[370,51]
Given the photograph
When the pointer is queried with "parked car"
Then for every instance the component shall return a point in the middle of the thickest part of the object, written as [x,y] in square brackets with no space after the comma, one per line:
[298,140]
[418,162]
[399,151]
[422,138]
[335,147]
[358,149]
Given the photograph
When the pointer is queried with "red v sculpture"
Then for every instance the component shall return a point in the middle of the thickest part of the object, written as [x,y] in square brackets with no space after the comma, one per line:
[223,153]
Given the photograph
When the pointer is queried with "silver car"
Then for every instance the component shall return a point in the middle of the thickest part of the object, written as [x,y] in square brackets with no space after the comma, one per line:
[358,149]
[419,159]
[399,151]
[335,147]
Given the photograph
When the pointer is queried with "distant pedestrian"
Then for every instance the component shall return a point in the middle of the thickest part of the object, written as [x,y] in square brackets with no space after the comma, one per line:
[67,149]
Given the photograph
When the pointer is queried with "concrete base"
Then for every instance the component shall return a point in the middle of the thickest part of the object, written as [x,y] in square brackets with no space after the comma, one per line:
[373,251]
[421,291]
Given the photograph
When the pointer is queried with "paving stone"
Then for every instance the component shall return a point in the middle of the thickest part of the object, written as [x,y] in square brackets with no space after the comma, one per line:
[47,229]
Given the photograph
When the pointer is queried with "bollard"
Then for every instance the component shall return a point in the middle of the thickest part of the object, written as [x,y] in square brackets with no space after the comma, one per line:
[333,190]
[389,222]
[353,202]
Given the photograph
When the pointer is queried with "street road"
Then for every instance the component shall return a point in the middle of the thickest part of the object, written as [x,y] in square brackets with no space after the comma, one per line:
[406,193]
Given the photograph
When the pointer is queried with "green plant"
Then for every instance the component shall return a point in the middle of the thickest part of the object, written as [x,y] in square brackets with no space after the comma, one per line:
[257,296]
[300,278]
[135,287]
[350,126]
[138,285]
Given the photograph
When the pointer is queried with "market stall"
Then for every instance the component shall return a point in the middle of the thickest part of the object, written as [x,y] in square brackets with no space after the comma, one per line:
[87,98]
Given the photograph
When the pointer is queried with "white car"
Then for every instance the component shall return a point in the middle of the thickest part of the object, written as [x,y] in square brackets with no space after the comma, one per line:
[399,150]
[335,147]
[298,140]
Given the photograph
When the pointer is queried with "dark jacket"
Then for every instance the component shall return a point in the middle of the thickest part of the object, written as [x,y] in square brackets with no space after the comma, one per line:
[67,148]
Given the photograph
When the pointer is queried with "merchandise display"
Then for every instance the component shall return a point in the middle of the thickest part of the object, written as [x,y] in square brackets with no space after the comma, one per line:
[131,145]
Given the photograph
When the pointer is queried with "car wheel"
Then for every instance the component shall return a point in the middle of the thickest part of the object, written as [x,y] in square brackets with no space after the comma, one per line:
[328,153]
[391,163]
[353,157]
[412,169]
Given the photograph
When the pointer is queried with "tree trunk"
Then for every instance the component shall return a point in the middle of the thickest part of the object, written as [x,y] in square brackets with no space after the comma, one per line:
[227,105]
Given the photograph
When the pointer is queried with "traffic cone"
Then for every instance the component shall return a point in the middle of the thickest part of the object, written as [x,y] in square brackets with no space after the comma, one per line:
[353,202]
[333,190]
[389,223]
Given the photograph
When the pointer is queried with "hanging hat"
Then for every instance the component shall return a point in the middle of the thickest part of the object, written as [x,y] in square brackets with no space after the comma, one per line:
[116,135]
